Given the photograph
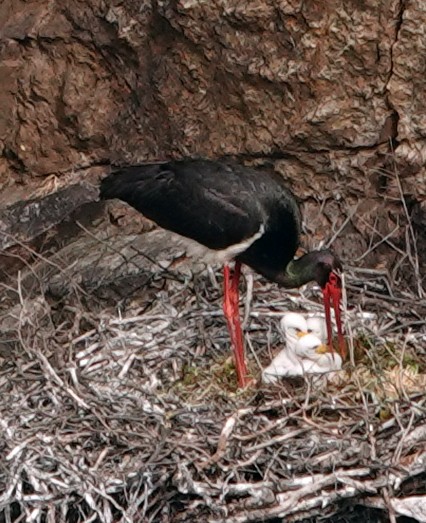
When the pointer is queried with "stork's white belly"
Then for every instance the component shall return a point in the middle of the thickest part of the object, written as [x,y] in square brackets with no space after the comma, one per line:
[211,256]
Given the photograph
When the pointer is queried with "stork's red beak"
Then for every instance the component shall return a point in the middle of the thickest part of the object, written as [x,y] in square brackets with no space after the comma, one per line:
[332,293]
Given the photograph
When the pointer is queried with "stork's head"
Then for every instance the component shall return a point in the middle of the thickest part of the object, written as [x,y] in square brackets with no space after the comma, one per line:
[326,263]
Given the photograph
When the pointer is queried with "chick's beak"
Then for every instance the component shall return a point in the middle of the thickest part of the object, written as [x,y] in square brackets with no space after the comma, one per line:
[300,334]
[323,349]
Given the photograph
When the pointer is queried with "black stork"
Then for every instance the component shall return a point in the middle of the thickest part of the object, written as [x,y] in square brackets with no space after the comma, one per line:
[236,213]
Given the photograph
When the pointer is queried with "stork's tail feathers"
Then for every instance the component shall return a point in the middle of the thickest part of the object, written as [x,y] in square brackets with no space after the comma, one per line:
[116,184]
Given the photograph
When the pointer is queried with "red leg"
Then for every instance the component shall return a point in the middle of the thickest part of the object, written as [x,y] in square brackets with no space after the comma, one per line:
[327,308]
[337,297]
[333,293]
[235,297]
[231,310]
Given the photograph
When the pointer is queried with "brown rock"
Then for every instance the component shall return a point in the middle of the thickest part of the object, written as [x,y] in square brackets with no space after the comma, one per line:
[406,88]
[323,93]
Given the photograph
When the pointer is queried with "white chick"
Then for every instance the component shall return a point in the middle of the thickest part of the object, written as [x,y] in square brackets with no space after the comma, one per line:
[293,326]
[315,356]
[316,325]
[308,356]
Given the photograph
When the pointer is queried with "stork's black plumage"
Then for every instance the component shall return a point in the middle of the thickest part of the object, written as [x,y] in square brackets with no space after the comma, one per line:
[216,204]
[235,211]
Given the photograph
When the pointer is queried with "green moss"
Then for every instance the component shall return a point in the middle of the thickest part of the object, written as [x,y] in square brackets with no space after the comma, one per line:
[199,382]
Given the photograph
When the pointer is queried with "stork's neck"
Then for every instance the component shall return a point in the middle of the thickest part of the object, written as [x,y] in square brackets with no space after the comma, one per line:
[300,271]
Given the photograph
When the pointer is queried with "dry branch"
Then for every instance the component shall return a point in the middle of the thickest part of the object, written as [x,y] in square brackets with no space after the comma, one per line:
[131,413]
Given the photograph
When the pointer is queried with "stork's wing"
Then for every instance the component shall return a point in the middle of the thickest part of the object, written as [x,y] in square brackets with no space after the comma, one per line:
[202,200]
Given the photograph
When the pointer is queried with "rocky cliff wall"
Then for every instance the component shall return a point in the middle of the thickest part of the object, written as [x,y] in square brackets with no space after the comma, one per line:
[331,94]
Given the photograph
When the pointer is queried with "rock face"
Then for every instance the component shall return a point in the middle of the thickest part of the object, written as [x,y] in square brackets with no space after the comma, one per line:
[331,94]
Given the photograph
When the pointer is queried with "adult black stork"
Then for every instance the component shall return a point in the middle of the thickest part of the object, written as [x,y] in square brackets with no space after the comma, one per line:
[236,213]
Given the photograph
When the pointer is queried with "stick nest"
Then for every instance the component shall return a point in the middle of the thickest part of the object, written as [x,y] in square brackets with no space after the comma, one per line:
[126,409]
